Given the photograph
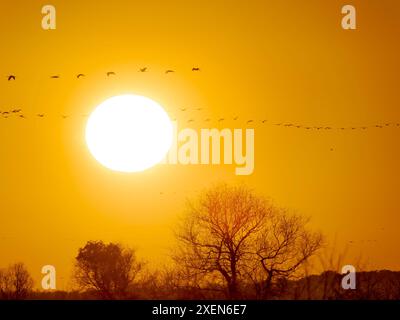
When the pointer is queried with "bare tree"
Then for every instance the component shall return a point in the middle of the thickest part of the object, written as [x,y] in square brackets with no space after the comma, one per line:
[15,282]
[242,238]
[107,269]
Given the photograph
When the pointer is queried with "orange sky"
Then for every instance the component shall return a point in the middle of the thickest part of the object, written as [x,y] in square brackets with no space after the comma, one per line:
[282,61]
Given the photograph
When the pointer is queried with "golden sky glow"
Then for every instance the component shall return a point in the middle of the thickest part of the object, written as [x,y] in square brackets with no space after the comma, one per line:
[287,62]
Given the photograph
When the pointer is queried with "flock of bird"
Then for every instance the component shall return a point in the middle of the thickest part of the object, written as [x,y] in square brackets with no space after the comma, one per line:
[13,77]
[17,112]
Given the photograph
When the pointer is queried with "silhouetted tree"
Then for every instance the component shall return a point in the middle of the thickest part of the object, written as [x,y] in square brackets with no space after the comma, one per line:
[243,238]
[15,282]
[283,246]
[107,269]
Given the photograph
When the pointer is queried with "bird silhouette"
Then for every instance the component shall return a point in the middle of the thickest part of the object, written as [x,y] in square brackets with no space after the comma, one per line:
[250,121]
[221,119]
[22,116]
[264,121]
[11,77]
[55,77]
[6,112]
[40,115]
[190,120]
[16,110]
[80,75]
[235,118]
[378,126]
[195,69]
[143,69]
[110,73]
[169,71]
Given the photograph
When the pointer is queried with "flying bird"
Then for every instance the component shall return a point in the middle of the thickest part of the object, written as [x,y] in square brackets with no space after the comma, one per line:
[40,115]
[190,120]
[221,119]
[143,69]
[235,118]
[110,73]
[169,71]
[16,110]
[250,121]
[264,121]
[195,69]
[22,116]
[80,75]
[55,77]
[11,77]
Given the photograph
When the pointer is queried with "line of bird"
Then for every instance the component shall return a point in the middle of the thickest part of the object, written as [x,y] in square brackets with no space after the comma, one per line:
[13,77]
[18,113]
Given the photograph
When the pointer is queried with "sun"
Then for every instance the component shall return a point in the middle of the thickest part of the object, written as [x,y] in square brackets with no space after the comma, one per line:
[129,133]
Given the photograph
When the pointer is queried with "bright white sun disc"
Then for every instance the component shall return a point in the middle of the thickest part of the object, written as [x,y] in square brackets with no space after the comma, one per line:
[129,133]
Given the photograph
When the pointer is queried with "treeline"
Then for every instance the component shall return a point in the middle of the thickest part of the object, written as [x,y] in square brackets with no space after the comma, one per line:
[230,244]
[373,285]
